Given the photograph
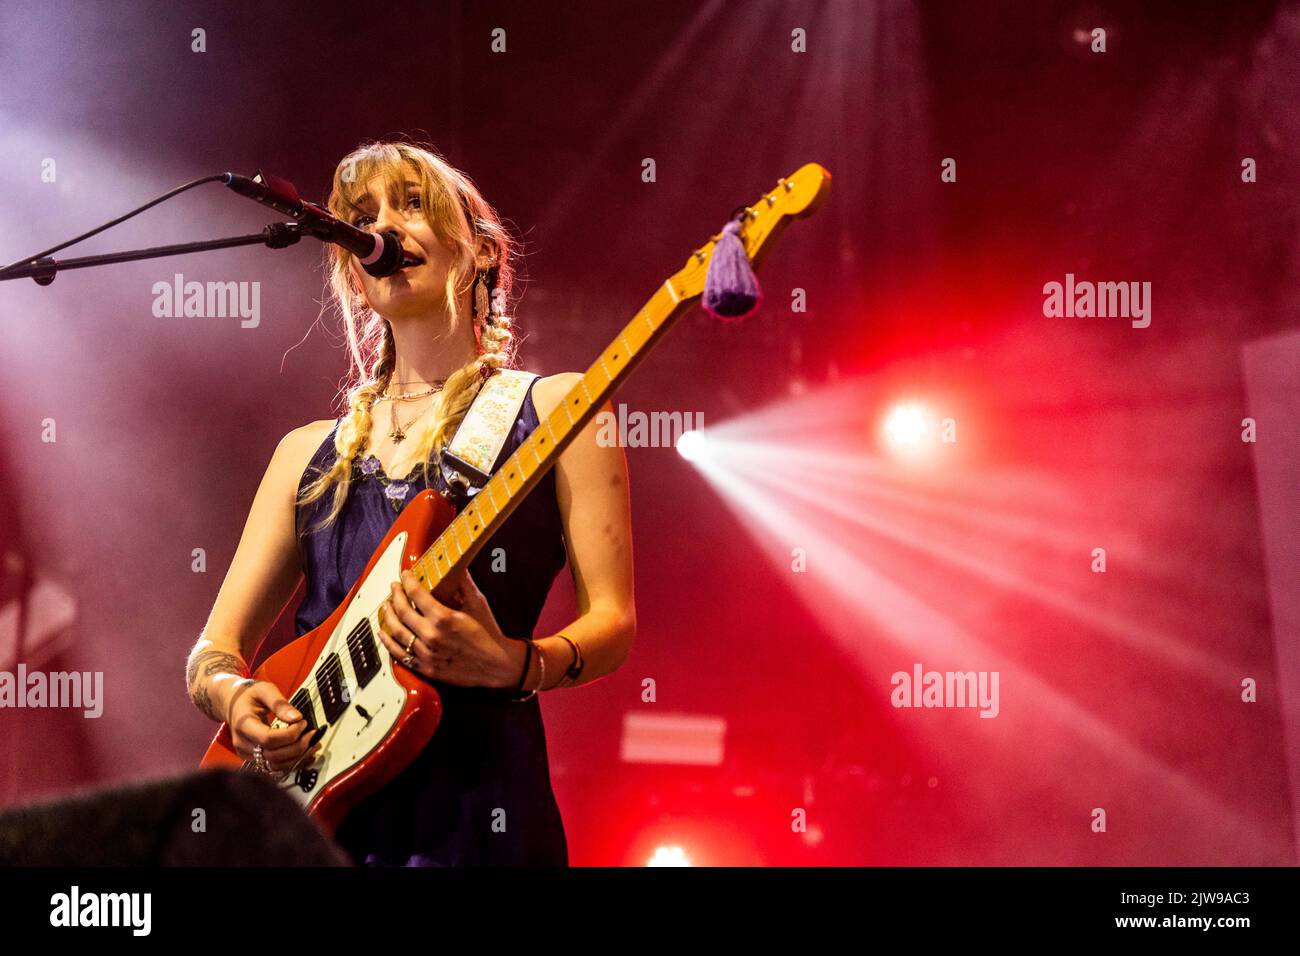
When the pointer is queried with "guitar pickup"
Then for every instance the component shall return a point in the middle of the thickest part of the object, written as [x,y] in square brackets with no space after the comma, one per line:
[364,652]
[302,704]
[329,683]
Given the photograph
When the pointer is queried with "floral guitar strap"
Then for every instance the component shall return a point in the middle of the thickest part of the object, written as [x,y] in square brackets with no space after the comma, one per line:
[471,456]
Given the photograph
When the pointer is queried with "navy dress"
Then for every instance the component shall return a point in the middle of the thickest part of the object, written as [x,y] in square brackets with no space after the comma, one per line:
[480,792]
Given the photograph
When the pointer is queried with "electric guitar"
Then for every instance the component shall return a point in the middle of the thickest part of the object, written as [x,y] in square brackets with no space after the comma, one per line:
[378,715]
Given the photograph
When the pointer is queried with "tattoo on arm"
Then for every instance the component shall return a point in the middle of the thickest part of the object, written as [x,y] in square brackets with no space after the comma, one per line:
[205,664]
[204,703]
[213,661]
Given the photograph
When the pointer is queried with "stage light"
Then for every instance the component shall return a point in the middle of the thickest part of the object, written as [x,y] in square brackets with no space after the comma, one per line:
[907,425]
[693,445]
[669,856]
[903,561]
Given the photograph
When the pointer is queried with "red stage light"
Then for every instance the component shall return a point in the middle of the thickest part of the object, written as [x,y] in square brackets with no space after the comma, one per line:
[668,856]
[909,428]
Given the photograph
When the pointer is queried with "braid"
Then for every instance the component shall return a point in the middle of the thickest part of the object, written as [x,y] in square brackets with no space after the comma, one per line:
[362,399]
[354,429]
[496,337]
[462,217]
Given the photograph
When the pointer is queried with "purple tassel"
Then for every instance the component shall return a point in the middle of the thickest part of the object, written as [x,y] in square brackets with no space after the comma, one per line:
[731,289]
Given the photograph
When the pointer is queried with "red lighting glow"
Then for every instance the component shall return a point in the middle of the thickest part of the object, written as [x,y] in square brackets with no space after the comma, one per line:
[908,428]
[669,856]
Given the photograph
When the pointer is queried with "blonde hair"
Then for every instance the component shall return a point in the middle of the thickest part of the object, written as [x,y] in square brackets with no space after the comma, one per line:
[460,217]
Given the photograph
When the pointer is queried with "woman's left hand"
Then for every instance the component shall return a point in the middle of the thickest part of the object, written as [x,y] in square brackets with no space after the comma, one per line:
[456,645]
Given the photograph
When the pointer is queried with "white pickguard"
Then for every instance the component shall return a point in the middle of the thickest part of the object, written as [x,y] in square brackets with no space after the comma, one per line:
[351,737]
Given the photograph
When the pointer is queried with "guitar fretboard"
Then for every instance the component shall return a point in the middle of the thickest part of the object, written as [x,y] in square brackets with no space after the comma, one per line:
[461,540]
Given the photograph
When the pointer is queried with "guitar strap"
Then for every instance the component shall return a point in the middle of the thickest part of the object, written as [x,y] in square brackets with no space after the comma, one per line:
[470,458]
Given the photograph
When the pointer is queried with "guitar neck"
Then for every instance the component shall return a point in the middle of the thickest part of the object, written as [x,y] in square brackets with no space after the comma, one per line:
[796,196]
[456,547]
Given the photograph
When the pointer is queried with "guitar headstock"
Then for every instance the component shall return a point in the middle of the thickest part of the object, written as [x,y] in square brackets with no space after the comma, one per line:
[798,195]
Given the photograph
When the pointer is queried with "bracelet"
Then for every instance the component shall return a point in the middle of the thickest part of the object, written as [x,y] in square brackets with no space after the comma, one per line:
[541,677]
[528,662]
[575,669]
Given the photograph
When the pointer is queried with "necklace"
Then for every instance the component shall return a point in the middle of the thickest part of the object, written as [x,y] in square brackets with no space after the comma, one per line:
[399,431]
[409,396]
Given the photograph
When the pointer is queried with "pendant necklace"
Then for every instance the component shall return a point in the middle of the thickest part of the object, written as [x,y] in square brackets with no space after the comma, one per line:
[399,430]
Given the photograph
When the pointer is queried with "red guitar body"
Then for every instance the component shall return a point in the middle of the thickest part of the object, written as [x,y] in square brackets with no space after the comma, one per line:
[358,756]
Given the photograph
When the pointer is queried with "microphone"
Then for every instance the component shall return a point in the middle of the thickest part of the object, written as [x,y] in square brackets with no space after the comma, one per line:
[379,255]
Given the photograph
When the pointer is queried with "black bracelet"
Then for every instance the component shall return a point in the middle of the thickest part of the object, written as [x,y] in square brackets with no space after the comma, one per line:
[575,669]
[528,663]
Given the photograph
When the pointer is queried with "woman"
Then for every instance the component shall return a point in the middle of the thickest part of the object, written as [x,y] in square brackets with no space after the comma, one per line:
[422,342]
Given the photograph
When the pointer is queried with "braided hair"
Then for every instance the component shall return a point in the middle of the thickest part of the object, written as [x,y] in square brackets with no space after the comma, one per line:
[461,217]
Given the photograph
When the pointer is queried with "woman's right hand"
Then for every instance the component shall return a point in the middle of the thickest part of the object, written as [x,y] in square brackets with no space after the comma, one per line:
[250,726]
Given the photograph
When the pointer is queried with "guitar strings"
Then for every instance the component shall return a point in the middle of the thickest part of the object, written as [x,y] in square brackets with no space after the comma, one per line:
[333,668]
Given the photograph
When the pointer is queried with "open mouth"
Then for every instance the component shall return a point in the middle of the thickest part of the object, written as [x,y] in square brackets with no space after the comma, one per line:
[410,260]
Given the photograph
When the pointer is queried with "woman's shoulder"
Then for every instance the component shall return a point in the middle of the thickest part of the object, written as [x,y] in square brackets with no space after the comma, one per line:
[312,434]
[549,391]
[299,446]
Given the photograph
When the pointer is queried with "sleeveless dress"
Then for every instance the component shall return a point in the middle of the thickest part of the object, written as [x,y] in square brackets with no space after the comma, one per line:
[480,792]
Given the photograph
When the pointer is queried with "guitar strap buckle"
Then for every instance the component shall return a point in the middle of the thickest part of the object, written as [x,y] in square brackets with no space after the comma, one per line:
[461,477]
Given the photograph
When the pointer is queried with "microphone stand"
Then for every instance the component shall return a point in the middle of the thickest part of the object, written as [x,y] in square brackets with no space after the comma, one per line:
[277,235]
